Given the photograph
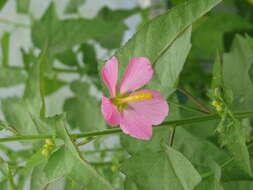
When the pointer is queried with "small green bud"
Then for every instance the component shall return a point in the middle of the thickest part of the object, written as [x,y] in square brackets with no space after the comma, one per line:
[217,105]
[45,152]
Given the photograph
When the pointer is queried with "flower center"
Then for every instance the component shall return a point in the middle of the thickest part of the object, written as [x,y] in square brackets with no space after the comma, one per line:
[121,101]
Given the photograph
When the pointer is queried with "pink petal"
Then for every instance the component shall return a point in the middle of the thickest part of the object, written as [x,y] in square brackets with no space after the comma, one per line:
[110,75]
[135,125]
[155,109]
[110,112]
[138,73]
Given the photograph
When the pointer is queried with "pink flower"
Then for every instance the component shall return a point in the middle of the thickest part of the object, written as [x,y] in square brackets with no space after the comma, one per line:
[135,112]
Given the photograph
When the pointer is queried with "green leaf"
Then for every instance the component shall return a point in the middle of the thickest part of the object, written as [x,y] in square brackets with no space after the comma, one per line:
[39,180]
[234,138]
[208,38]
[196,149]
[129,184]
[59,164]
[52,85]
[89,59]
[83,110]
[67,160]
[5,41]
[28,57]
[2,3]
[23,6]
[217,80]
[161,170]
[170,65]
[72,6]
[18,111]
[114,39]
[212,179]
[238,185]
[3,125]
[156,38]
[67,57]
[11,77]
[116,15]
[237,64]
[156,143]
[64,34]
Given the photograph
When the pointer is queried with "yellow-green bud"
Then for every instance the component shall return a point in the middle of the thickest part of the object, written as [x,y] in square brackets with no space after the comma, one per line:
[47,147]
[49,142]
[114,168]
[217,105]
[45,152]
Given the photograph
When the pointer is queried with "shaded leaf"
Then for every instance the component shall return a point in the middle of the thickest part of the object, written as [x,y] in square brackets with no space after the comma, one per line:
[161,170]
[212,179]
[237,64]
[216,25]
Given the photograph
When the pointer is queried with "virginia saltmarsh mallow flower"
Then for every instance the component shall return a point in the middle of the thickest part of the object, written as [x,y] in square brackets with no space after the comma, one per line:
[134,111]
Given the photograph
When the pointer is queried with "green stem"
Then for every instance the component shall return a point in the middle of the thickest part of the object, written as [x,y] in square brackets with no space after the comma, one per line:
[103,150]
[224,164]
[172,136]
[4,21]
[10,176]
[187,107]
[61,70]
[65,70]
[118,130]
[196,101]
[86,141]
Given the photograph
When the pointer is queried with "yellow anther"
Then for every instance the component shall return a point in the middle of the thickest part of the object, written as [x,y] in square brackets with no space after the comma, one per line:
[217,105]
[136,97]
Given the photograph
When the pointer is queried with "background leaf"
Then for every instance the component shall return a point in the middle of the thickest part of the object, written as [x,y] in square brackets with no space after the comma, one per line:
[83,110]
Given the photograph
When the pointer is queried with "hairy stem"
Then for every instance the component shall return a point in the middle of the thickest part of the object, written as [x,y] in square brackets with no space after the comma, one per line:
[174,123]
